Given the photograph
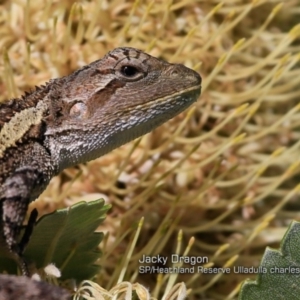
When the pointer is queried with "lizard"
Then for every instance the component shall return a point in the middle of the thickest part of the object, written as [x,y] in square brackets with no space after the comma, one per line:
[78,118]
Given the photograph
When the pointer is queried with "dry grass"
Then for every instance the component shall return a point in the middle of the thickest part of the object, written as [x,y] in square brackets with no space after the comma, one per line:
[220,180]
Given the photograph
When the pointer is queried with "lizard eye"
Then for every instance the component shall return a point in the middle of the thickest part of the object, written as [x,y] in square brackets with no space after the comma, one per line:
[129,71]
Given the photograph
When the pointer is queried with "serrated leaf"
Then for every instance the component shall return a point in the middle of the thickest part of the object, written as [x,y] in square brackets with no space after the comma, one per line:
[279,276]
[67,239]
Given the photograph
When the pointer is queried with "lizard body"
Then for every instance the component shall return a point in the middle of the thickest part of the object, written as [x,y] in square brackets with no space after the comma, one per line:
[80,117]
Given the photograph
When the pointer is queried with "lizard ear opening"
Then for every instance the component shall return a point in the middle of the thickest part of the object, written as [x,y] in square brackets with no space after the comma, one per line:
[79,111]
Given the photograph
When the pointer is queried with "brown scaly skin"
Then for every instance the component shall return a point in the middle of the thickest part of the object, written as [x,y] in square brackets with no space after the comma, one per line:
[80,117]
[19,287]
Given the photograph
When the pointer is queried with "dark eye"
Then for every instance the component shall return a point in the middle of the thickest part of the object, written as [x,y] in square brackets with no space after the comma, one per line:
[129,71]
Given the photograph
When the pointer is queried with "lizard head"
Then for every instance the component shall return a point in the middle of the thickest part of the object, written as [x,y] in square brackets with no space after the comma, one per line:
[114,100]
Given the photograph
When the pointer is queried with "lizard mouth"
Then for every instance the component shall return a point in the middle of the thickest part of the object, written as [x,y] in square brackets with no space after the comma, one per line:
[194,90]
[182,98]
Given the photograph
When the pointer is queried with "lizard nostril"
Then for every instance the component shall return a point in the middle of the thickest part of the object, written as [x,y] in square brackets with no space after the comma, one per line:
[197,77]
[174,72]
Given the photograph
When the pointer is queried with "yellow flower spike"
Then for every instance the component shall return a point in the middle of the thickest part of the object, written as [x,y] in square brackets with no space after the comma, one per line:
[259,228]
[141,291]
[197,65]
[142,21]
[295,32]
[234,292]
[8,76]
[173,276]
[80,28]
[238,139]
[221,62]
[278,151]
[184,43]
[297,188]
[67,36]
[27,61]
[275,10]
[27,22]
[283,60]
[269,217]
[159,283]
[231,14]
[194,29]
[216,8]
[238,44]
[222,59]
[217,276]
[240,109]
[281,204]
[54,41]
[179,242]
[261,170]
[166,13]
[247,200]
[151,45]
[123,33]
[291,169]
[254,107]
[231,261]
[220,250]
[128,255]
[178,292]
[258,32]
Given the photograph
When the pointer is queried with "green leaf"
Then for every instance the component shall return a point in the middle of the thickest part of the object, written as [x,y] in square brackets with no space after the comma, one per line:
[67,239]
[279,276]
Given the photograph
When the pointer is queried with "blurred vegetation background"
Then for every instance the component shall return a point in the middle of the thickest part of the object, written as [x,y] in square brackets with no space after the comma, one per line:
[220,180]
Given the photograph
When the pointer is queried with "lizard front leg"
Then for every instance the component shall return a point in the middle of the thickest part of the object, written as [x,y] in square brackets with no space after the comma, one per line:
[17,194]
